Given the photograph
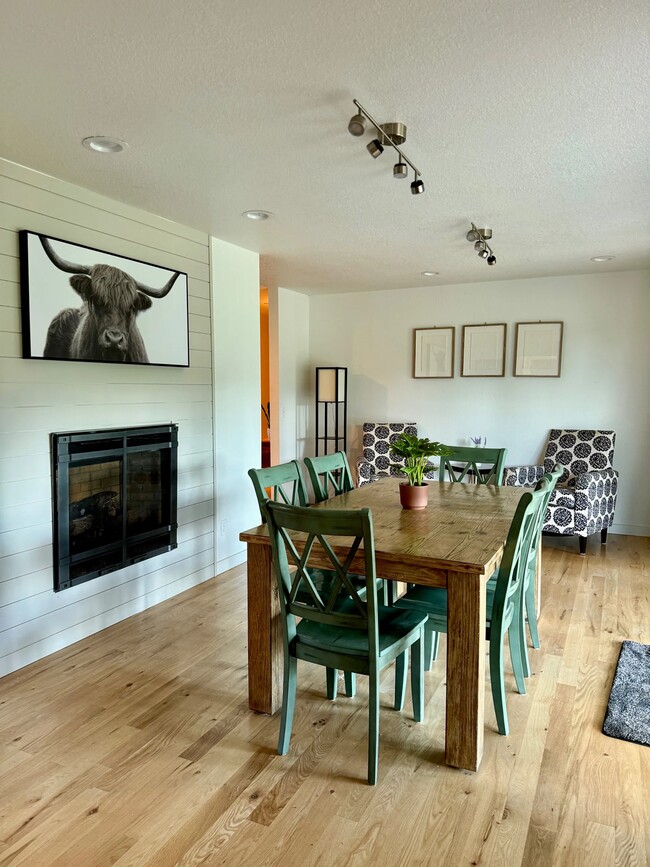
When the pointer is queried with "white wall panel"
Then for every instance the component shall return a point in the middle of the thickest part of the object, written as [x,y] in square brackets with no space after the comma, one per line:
[38,397]
[237,394]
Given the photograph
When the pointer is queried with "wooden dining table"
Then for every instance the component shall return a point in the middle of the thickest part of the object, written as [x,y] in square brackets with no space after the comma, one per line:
[456,542]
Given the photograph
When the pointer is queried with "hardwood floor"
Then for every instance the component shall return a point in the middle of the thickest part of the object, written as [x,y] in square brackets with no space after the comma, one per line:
[136,747]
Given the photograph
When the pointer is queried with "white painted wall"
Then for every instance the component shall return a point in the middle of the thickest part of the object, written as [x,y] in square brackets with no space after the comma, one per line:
[605,370]
[41,396]
[295,378]
[236,338]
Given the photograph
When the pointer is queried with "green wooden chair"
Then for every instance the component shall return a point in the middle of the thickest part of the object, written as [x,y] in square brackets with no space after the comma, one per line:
[286,484]
[462,465]
[357,635]
[329,474]
[529,586]
[505,600]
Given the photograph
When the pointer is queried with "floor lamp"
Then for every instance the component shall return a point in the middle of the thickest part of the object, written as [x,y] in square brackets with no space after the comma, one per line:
[331,409]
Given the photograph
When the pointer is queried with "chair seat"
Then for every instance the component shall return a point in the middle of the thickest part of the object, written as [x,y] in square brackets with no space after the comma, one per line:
[435,599]
[393,626]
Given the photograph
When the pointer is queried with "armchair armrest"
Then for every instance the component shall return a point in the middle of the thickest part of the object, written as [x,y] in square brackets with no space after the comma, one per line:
[367,474]
[585,480]
[522,476]
[365,471]
[595,500]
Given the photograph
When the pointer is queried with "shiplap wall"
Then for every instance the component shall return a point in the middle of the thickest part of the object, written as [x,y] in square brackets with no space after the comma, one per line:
[38,397]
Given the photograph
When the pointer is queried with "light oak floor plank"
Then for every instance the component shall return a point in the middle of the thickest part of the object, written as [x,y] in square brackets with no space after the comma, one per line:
[136,746]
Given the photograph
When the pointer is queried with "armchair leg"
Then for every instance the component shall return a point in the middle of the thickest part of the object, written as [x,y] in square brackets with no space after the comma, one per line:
[603,536]
[583,544]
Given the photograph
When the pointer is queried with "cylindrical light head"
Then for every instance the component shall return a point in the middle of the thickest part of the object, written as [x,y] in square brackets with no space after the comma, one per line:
[357,125]
[479,246]
[492,260]
[400,170]
[472,235]
[417,186]
[483,254]
[375,148]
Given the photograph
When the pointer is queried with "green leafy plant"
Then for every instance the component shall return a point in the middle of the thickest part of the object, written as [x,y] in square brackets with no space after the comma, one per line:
[416,451]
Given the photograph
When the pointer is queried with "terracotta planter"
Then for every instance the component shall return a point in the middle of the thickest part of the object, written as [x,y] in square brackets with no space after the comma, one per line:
[414,496]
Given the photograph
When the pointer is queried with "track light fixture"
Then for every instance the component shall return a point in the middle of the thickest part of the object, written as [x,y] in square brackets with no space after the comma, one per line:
[480,238]
[388,134]
[357,125]
[375,148]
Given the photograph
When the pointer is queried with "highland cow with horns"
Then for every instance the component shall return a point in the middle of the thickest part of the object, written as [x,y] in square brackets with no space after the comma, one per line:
[104,327]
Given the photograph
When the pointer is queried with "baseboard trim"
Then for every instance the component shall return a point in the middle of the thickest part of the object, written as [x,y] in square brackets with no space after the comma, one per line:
[230,562]
[629,530]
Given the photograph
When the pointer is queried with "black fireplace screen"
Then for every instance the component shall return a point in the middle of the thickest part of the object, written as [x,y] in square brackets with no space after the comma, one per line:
[114,499]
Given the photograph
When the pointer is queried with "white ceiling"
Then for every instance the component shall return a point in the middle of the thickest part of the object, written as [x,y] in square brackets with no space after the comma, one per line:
[531,118]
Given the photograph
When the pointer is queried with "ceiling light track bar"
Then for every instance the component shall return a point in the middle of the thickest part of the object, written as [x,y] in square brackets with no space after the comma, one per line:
[392,134]
[386,138]
[480,238]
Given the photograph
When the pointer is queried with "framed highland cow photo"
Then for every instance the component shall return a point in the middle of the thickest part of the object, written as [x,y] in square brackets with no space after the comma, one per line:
[82,304]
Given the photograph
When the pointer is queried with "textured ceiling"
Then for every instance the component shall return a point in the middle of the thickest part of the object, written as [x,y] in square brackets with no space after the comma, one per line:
[530,118]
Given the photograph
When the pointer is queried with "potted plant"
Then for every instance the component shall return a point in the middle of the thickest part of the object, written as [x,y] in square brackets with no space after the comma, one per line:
[416,452]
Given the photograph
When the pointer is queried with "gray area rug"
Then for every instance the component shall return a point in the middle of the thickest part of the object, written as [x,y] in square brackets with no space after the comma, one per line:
[628,708]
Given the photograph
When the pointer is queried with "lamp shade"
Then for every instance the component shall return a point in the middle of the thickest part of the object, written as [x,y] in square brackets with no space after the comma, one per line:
[330,384]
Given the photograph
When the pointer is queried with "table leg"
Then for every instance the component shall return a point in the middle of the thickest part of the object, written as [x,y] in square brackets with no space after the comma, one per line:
[465,669]
[264,632]
[538,580]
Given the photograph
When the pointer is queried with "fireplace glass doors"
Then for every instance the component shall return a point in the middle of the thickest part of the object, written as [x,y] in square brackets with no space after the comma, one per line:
[114,499]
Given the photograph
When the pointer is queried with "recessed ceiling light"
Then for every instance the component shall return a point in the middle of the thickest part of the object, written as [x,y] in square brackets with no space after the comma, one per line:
[104,144]
[430,273]
[602,258]
[257,215]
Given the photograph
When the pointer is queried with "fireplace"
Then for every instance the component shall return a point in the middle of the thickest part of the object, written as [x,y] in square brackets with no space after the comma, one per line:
[113,499]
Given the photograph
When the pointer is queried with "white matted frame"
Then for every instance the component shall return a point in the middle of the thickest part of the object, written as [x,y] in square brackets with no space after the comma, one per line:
[484,350]
[538,348]
[433,352]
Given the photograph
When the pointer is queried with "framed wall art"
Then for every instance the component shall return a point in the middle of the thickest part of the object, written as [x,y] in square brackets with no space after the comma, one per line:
[538,348]
[484,350]
[82,304]
[433,352]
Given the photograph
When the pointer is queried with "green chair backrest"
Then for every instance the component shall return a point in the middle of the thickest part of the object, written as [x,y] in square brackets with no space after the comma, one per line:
[285,481]
[329,473]
[513,569]
[551,481]
[462,465]
[324,529]
[552,478]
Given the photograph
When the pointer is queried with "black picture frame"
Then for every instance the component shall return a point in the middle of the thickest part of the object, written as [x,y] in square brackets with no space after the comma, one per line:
[80,303]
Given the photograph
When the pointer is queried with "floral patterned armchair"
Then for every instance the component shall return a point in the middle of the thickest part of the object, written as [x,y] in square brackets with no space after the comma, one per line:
[585,497]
